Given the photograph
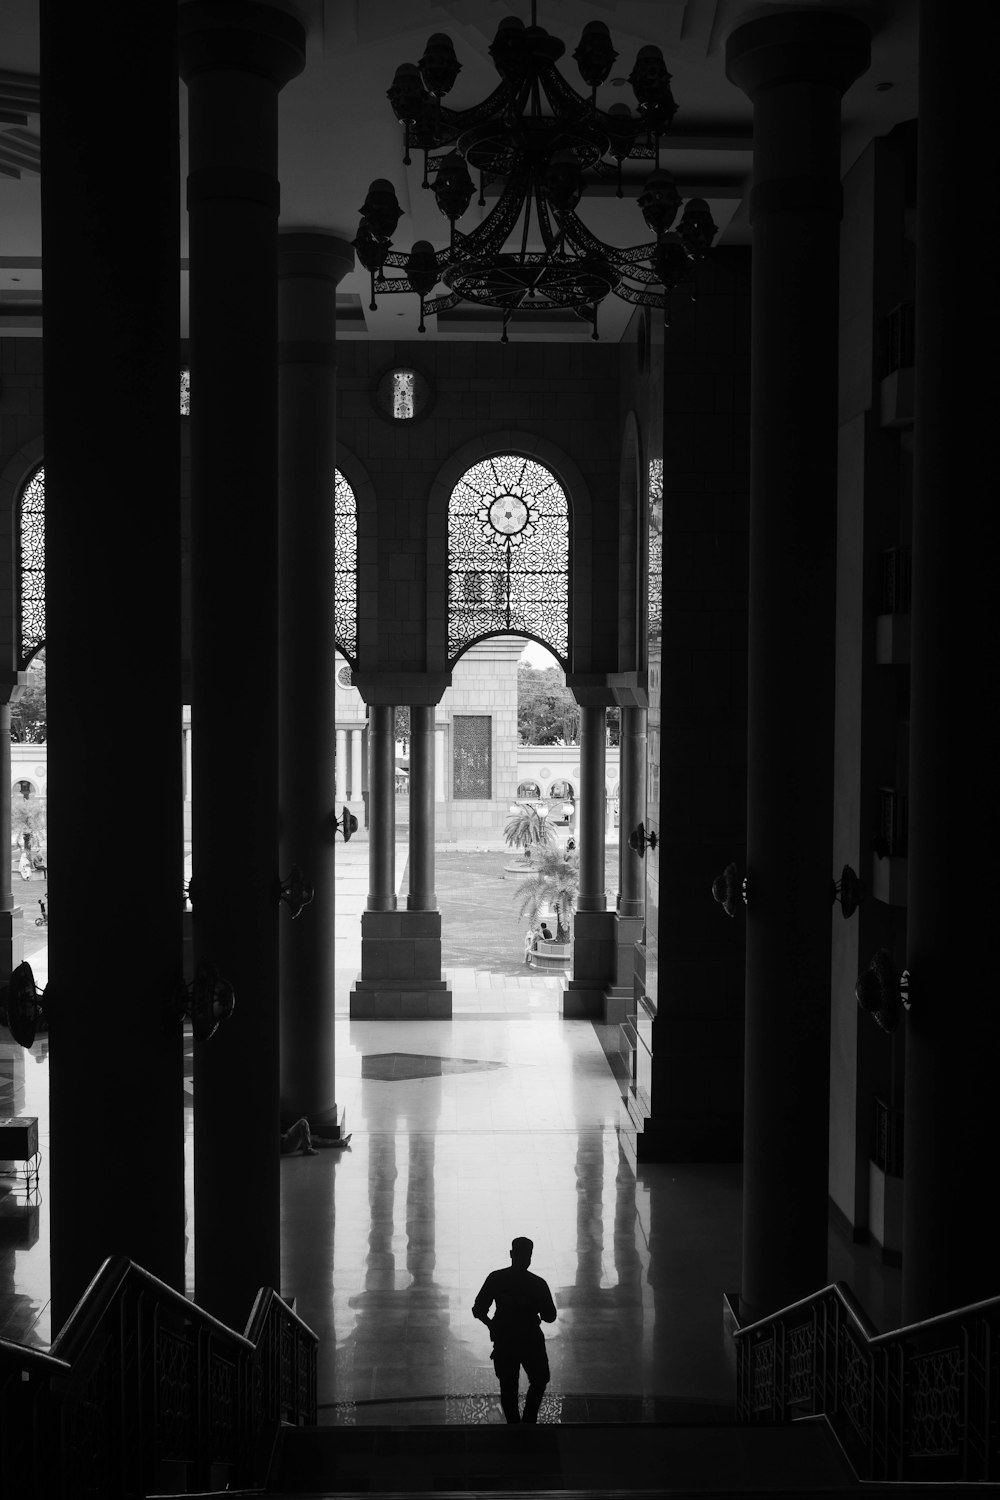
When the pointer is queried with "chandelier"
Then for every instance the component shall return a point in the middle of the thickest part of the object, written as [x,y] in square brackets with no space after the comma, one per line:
[544,144]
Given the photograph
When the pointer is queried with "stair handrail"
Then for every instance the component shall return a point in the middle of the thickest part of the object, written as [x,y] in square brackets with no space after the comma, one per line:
[143,1388]
[915,1403]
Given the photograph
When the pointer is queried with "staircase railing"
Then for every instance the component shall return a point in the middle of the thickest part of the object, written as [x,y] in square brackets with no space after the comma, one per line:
[920,1403]
[143,1391]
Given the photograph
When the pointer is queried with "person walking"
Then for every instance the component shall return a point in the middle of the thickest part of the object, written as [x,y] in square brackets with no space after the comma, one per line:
[523,1302]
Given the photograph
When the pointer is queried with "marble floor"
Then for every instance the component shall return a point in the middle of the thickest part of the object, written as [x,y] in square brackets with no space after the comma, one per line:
[501,1121]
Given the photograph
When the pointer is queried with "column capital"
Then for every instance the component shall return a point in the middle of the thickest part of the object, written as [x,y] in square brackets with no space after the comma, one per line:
[12,685]
[389,689]
[314,254]
[239,34]
[590,689]
[801,46]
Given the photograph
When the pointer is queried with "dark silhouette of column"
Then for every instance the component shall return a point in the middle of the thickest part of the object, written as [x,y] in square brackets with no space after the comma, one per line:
[631,904]
[309,268]
[421,895]
[950,1143]
[593,925]
[113,591]
[235,59]
[382,809]
[11,916]
[794,66]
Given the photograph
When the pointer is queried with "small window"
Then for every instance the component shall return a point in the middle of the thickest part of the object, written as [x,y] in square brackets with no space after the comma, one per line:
[403,393]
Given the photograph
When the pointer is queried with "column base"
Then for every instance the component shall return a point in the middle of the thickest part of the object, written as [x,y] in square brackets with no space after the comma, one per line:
[11,941]
[593,965]
[619,996]
[400,968]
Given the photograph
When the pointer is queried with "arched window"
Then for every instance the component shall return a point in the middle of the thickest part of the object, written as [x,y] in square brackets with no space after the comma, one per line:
[345,568]
[529,789]
[508,555]
[31,567]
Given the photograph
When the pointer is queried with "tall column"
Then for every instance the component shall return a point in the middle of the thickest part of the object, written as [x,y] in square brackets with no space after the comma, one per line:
[235,59]
[795,66]
[631,904]
[593,925]
[341,766]
[309,269]
[401,947]
[11,916]
[952,1030]
[421,895]
[125,1030]
[382,809]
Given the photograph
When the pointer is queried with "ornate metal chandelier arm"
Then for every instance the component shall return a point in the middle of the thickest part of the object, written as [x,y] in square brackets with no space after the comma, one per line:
[641,298]
[582,239]
[552,240]
[460,120]
[563,97]
[489,237]
[441,304]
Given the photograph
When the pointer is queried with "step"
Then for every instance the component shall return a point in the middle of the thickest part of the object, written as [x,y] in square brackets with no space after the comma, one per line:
[597,1458]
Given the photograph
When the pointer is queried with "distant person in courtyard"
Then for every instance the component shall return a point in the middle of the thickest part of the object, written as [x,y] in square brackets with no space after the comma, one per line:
[523,1303]
[24,865]
[546,932]
[298,1137]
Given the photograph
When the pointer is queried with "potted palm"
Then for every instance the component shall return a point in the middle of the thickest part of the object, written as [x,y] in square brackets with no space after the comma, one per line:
[548,900]
[526,829]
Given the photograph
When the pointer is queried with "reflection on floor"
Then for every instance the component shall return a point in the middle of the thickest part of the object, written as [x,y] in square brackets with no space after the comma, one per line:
[464,1133]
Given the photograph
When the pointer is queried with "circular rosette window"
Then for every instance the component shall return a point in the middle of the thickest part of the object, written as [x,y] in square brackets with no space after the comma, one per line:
[507,519]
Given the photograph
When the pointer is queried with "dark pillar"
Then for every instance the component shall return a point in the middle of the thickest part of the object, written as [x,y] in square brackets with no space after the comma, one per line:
[795,66]
[421,895]
[401,948]
[951,1132]
[11,916]
[113,592]
[593,925]
[629,917]
[235,59]
[309,268]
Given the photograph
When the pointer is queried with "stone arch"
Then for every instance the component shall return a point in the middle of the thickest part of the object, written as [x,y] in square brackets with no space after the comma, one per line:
[366,644]
[15,473]
[631,551]
[549,456]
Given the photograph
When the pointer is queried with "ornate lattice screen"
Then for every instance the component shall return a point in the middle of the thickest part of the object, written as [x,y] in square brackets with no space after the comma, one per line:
[345,568]
[31,566]
[508,555]
[472,755]
[655,574]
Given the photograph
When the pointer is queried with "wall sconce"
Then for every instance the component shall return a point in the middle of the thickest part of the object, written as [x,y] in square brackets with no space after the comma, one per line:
[639,838]
[208,1000]
[23,1005]
[848,890]
[725,888]
[296,891]
[881,990]
[347,823]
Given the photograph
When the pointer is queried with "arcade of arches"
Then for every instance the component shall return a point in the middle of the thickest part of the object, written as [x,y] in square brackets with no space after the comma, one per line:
[732,571]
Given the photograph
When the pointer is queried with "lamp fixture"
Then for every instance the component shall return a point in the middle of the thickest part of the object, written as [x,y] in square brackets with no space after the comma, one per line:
[726,887]
[638,839]
[849,890]
[206,1001]
[545,144]
[882,991]
[296,891]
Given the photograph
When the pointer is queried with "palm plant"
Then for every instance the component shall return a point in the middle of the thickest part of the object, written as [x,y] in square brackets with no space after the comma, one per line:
[553,885]
[526,828]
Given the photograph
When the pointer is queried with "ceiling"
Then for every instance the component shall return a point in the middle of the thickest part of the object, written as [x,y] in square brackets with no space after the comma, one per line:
[354,47]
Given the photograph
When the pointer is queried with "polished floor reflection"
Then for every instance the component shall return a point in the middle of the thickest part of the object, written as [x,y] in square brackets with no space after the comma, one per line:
[502,1121]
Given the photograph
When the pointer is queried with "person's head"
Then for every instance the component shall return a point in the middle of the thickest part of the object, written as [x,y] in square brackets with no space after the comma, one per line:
[520,1253]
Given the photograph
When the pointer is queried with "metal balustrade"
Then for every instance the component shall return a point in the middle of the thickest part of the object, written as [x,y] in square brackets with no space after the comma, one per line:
[917,1404]
[143,1388]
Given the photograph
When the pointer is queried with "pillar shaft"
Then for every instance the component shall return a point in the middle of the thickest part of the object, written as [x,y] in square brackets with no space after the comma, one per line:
[356,737]
[341,766]
[421,895]
[631,810]
[113,1022]
[592,763]
[309,268]
[795,67]
[234,61]
[953,1029]
[381,809]
[11,917]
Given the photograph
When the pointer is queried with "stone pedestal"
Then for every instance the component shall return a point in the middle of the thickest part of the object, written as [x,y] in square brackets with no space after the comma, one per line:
[400,968]
[619,999]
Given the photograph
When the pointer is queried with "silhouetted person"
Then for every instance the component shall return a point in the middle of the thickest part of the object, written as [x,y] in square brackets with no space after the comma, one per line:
[523,1301]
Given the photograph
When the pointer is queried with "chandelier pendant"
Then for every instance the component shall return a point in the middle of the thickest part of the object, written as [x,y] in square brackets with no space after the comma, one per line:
[544,143]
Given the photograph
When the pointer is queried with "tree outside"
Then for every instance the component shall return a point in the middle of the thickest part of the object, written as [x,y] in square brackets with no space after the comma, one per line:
[28,724]
[547,712]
